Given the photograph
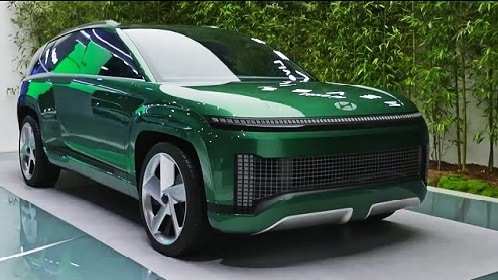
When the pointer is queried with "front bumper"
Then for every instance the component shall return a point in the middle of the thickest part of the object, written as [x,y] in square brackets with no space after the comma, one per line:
[359,200]
[222,146]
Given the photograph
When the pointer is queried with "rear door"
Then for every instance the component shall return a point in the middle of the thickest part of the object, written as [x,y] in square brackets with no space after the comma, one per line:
[91,83]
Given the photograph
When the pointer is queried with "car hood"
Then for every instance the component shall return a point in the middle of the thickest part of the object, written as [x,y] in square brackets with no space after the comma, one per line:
[284,99]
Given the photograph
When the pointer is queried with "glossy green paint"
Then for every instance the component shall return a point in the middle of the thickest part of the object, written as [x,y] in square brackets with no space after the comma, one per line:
[37,88]
[87,118]
[90,124]
[360,199]
[312,99]
[99,175]
[92,119]
[224,144]
[216,148]
[271,99]
[70,95]
[111,157]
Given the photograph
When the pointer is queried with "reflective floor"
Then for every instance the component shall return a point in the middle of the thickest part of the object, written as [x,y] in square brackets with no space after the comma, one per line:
[448,237]
[37,245]
[492,276]
[482,213]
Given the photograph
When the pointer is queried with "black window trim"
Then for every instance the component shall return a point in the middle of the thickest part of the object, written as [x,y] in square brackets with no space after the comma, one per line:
[43,52]
[136,65]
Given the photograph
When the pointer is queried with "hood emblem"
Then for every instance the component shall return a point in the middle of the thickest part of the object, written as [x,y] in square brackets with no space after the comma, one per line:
[345,105]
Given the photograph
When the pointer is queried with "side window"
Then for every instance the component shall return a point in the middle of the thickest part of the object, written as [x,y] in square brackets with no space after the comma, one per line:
[34,66]
[92,52]
[65,54]
[45,55]
[107,55]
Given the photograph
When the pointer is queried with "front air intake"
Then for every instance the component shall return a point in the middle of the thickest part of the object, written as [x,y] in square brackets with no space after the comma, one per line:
[259,178]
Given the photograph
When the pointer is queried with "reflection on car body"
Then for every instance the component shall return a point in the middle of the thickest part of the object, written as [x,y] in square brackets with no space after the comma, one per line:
[210,129]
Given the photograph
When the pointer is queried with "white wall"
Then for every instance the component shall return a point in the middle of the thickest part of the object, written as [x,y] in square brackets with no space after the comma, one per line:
[8,79]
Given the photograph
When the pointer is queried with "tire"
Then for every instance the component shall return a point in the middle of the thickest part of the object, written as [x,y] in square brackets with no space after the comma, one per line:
[36,170]
[188,203]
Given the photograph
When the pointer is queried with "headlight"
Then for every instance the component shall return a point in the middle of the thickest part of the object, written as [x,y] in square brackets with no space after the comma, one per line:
[319,123]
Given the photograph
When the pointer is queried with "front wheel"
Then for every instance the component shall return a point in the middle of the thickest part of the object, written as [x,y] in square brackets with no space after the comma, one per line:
[172,201]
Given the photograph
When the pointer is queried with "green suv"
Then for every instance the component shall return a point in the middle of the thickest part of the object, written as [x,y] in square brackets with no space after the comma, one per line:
[210,129]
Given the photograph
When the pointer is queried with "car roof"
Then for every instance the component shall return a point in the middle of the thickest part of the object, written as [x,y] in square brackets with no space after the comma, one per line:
[113,24]
[95,24]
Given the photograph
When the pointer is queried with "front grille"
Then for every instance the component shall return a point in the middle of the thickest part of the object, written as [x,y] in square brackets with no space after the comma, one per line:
[259,178]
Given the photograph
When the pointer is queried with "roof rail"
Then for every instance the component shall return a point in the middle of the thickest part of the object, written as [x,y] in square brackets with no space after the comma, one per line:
[95,24]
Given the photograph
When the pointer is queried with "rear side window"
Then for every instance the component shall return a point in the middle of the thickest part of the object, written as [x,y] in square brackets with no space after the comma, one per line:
[64,55]
[35,66]
[91,52]
[44,56]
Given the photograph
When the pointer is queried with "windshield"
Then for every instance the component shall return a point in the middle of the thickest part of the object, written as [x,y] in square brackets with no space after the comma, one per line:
[183,54]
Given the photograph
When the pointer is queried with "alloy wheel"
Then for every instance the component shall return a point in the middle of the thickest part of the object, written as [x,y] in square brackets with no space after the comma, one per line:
[163,198]
[27,150]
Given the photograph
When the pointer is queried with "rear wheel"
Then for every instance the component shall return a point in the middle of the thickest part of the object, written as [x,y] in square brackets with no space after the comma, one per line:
[37,171]
[172,201]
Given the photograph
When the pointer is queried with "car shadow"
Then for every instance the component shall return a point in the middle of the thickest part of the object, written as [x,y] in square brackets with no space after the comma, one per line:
[268,250]
[298,246]
[83,188]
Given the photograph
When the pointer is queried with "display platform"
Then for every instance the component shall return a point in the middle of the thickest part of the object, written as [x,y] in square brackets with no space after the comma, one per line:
[36,245]
[104,224]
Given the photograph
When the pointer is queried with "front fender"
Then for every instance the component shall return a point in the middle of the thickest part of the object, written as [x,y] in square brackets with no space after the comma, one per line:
[171,120]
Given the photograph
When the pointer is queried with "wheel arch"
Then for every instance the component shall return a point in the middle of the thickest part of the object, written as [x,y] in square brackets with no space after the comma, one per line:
[147,138]
[25,109]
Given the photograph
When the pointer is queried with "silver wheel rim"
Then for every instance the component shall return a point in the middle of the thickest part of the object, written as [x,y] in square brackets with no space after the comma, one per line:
[163,198]
[27,148]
